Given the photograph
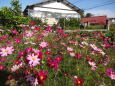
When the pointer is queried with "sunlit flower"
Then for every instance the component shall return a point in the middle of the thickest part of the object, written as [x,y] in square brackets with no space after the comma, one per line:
[72,54]
[69,49]
[16,67]
[6,51]
[33,59]
[43,44]
[112,76]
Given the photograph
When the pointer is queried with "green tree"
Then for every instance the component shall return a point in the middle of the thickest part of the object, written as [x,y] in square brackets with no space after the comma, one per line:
[81,14]
[16,7]
[89,15]
[6,17]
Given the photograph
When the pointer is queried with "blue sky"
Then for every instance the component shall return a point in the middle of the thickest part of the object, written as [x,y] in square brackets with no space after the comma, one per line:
[108,10]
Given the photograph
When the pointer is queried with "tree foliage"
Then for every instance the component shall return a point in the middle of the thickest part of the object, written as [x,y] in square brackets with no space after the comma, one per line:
[89,15]
[10,17]
[16,7]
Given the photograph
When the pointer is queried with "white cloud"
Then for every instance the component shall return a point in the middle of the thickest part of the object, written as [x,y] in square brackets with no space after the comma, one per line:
[108,13]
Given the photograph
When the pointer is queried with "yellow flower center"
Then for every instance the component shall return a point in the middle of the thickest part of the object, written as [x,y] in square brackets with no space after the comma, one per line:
[113,76]
[33,58]
[6,50]
[79,82]
[41,77]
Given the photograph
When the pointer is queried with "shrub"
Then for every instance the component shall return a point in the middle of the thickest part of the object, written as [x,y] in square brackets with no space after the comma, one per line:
[69,23]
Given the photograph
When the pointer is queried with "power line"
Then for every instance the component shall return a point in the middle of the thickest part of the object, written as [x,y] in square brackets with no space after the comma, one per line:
[100,6]
[78,1]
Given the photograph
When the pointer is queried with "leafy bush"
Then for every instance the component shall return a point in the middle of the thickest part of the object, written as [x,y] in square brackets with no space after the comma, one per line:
[95,27]
[112,27]
[69,23]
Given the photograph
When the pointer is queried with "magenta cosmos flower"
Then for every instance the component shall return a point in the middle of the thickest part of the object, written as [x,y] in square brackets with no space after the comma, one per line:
[42,76]
[6,51]
[43,44]
[33,59]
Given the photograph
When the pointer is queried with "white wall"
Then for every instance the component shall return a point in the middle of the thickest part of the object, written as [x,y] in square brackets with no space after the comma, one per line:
[41,12]
[55,5]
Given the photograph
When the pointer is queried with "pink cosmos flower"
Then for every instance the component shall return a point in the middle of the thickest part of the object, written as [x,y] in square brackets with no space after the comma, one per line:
[43,44]
[33,59]
[72,54]
[16,67]
[112,76]
[69,49]
[6,51]
[29,33]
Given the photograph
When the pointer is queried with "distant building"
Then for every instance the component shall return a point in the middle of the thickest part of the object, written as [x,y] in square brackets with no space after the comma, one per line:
[111,20]
[50,10]
[95,20]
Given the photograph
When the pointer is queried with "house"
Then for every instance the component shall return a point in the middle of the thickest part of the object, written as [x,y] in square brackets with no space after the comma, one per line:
[112,20]
[95,20]
[51,10]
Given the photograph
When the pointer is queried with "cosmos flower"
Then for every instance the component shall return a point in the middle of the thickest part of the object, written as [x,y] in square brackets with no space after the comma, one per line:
[109,71]
[42,76]
[16,67]
[78,82]
[43,44]
[107,45]
[17,40]
[28,49]
[6,51]
[72,54]
[33,59]
[33,81]
[78,56]
[112,76]
[29,33]
[1,67]
[49,28]
[15,32]
[53,64]
[69,49]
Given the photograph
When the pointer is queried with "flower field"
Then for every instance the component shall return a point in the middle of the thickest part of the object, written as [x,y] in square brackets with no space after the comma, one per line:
[39,56]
